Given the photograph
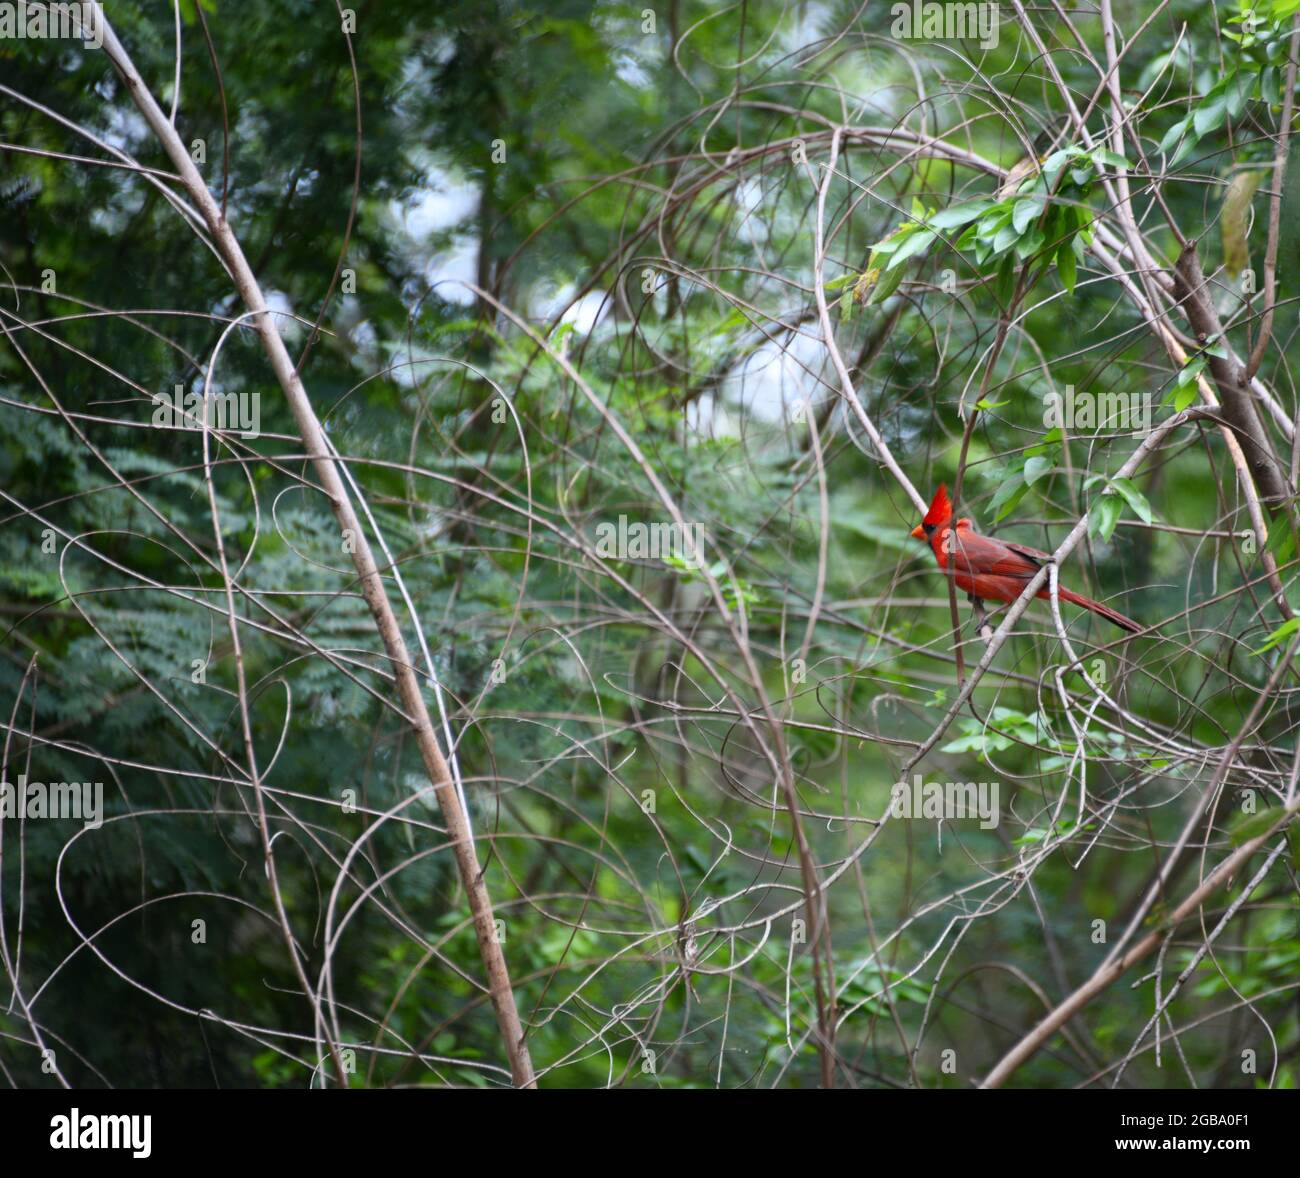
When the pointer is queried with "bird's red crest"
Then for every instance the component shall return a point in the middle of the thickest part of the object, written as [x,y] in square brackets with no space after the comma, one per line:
[940,508]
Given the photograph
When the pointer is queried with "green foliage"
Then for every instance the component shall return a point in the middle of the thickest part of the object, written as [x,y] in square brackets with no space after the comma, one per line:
[624,743]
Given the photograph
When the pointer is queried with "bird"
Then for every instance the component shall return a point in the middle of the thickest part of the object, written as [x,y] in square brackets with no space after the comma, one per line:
[1044,144]
[994,570]
[1019,172]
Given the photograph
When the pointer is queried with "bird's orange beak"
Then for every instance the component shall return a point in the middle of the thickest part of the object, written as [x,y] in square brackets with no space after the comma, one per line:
[919,531]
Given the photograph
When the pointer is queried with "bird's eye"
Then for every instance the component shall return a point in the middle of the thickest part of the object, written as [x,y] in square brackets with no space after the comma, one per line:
[929,529]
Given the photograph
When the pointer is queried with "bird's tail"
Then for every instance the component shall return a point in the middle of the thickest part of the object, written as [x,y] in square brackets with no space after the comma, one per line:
[1104,610]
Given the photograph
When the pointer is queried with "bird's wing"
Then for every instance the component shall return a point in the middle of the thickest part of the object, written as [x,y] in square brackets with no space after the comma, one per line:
[973,553]
[1034,554]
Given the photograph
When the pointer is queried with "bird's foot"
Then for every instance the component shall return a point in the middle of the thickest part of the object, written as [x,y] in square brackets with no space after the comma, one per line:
[982,627]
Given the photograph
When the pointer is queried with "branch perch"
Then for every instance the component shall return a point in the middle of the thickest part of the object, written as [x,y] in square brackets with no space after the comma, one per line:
[368,574]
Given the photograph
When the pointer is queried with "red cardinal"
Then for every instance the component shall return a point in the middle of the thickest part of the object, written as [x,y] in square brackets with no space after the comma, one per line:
[994,570]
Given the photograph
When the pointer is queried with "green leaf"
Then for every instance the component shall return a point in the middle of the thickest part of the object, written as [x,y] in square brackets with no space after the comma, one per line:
[1054,165]
[1209,115]
[1134,498]
[915,243]
[1191,370]
[1270,89]
[987,228]
[1026,212]
[1236,97]
[959,215]
[1030,243]
[1006,284]
[189,12]
[1284,631]
[1256,825]
[1185,149]
[1009,495]
[1036,467]
[1281,541]
[1067,265]
[1185,388]
[885,285]
[1174,136]
[1104,516]
[1006,237]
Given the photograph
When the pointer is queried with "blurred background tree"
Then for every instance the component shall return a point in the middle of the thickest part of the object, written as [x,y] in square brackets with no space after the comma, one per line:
[505,240]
